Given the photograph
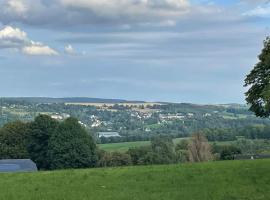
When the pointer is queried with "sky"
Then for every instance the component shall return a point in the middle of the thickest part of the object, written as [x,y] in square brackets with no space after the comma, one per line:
[196,51]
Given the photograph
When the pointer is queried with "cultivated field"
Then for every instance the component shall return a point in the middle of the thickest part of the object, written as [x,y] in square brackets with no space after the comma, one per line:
[231,180]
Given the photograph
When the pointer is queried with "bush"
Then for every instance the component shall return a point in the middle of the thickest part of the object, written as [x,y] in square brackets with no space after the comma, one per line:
[228,152]
[114,159]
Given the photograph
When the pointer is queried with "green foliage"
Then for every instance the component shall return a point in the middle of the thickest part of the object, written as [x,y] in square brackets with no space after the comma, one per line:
[253,146]
[40,131]
[182,145]
[230,180]
[258,96]
[249,132]
[181,150]
[137,154]
[114,159]
[49,143]
[13,137]
[71,147]
[228,152]
[161,151]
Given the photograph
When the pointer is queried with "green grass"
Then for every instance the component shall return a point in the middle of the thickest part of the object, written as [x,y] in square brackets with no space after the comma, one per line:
[124,146]
[231,180]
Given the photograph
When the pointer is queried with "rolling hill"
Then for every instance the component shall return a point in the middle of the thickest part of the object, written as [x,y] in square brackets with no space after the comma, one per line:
[232,180]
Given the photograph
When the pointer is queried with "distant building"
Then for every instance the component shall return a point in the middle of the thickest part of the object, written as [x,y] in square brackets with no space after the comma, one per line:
[108,134]
[60,117]
[147,130]
[207,115]
[81,123]
[17,165]
[177,116]
[57,117]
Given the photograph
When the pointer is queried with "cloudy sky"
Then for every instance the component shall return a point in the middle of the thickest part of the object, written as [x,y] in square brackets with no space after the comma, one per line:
[155,50]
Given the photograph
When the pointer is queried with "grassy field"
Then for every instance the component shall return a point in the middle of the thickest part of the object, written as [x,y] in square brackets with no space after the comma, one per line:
[124,146]
[231,180]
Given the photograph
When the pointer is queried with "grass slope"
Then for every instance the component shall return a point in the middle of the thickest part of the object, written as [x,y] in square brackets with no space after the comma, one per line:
[232,180]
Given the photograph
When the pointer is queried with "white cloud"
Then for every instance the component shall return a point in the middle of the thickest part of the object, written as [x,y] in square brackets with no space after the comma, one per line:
[259,11]
[36,49]
[69,50]
[17,39]
[12,37]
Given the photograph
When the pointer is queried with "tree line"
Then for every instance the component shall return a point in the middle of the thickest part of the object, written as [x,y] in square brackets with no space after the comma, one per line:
[49,143]
[52,144]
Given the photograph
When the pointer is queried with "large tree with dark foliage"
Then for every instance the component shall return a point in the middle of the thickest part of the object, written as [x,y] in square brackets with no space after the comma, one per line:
[13,141]
[258,95]
[40,131]
[71,146]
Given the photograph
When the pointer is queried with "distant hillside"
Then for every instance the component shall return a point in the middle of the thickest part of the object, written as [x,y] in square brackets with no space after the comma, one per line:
[68,100]
[231,180]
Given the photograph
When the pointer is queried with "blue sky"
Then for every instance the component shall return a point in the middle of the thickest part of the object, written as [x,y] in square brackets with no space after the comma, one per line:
[155,50]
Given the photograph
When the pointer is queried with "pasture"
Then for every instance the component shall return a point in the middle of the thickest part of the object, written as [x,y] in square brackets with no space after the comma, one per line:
[231,180]
[124,146]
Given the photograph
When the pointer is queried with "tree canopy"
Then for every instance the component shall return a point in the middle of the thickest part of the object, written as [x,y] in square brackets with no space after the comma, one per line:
[70,146]
[258,95]
[40,131]
[13,137]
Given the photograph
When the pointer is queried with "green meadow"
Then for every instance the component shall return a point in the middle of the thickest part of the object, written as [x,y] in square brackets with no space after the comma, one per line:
[124,146]
[231,180]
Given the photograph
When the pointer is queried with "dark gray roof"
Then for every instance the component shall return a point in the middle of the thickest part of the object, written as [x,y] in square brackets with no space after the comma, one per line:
[17,165]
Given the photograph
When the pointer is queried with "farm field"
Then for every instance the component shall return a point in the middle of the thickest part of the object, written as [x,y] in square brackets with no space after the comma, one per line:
[124,146]
[231,180]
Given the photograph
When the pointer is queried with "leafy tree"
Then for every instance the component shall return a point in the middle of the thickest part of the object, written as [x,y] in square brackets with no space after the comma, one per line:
[181,151]
[258,96]
[228,152]
[137,154]
[40,131]
[199,149]
[13,141]
[163,150]
[71,147]
[182,145]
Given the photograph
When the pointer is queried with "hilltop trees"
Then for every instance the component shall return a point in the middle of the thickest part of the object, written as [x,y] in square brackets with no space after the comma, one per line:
[258,96]
[71,147]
